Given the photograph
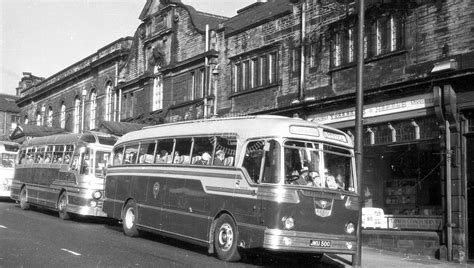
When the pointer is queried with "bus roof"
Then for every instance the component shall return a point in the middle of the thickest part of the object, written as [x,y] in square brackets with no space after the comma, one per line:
[9,146]
[71,138]
[244,128]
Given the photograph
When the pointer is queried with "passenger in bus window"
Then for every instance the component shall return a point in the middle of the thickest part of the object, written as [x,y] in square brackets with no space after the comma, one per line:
[29,159]
[220,156]
[118,158]
[67,158]
[305,178]
[162,157]
[177,158]
[47,159]
[205,157]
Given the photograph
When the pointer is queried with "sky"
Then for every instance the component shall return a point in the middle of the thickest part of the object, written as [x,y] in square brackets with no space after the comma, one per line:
[43,37]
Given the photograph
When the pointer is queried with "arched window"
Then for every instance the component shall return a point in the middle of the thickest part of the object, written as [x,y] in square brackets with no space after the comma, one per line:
[50,117]
[38,118]
[62,116]
[109,102]
[93,107]
[77,114]
[158,90]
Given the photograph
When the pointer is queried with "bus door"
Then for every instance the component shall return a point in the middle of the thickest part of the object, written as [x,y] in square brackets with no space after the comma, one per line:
[262,164]
[65,169]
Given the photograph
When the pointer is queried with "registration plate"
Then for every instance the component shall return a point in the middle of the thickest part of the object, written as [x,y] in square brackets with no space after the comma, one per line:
[320,243]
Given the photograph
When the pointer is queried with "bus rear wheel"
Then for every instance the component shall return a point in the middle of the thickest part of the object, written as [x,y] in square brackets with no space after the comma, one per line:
[62,207]
[24,199]
[129,217]
[225,239]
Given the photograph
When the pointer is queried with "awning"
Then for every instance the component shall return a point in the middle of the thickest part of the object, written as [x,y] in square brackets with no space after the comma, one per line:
[22,132]
[119,128]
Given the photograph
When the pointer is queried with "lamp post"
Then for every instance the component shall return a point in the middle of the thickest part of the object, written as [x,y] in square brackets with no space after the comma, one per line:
[84,93]
[357,259]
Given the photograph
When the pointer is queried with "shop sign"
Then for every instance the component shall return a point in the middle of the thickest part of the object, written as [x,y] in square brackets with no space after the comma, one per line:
[383,108]
[421,223]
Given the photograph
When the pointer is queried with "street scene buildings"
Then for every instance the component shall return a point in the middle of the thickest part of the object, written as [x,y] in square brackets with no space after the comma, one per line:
[298,59]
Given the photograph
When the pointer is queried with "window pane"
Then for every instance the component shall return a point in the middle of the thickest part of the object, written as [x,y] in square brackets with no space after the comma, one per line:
[202,151]
[131,152]
[147,151]
[253,159]
[164,151]
[225,151]
[182,151]
[118,156]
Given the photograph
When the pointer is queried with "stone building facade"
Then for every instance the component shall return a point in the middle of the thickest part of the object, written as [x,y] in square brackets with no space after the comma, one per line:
[79,97]
[298,58]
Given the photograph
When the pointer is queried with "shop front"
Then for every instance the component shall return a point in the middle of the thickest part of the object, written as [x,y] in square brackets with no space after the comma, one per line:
[403,176]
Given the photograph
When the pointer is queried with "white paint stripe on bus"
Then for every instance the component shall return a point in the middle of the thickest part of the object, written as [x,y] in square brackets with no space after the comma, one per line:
[70,251]
[4,227]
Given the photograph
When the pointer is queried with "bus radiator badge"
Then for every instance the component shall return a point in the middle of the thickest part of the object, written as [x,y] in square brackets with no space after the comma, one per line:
[323,208]
[156,189]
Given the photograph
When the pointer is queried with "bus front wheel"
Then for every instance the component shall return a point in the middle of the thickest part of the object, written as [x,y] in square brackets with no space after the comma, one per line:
[62,207]
[225,239]
[129,217]
[24,199]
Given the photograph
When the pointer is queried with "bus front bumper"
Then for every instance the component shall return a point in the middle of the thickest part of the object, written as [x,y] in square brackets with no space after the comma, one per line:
[294,241]
[87,211]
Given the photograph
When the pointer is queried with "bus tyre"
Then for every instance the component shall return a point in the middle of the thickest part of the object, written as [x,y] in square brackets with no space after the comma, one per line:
[62,207]
[129,217]
[24,199]
[225,239]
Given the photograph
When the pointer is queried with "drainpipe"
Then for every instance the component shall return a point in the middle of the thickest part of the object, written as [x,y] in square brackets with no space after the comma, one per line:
[449,220]
[206,72]
[302,58]
[119,116]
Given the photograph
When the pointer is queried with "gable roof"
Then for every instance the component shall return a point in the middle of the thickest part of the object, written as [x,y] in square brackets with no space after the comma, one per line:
[256,14]
[8,104]
[199,19]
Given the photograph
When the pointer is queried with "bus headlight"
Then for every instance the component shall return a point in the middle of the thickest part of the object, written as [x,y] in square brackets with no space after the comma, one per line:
[93,204]
[350,227]
[288,223]
[97,195]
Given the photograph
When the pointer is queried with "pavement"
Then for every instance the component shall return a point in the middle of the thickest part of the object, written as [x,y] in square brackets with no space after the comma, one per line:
[376,258]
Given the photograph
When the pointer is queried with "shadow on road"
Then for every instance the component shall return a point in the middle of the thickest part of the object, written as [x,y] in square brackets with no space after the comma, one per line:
[6,199]
[257,257]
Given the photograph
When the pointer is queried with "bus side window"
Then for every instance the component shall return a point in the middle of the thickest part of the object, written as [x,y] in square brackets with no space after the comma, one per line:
[225,151]
[202,151]
[182,151]
[130,155]
[58,154]
[147,150]
[253,159]
[22,157]
[164,150]
[68,154]
[272,162]
[118,156]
